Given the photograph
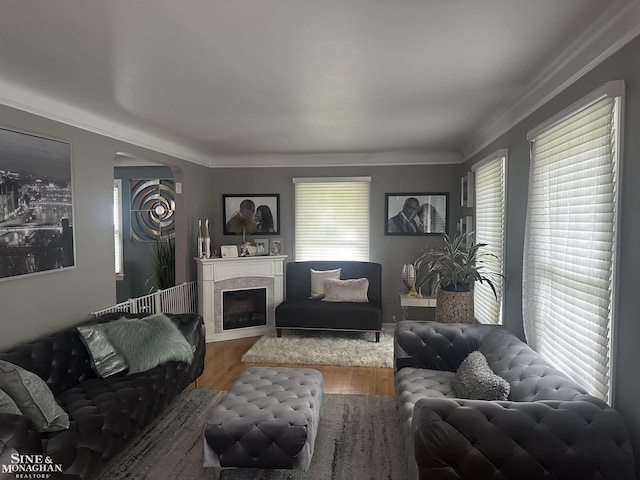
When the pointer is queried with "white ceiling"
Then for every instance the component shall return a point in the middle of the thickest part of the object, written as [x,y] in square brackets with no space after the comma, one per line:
[278,82]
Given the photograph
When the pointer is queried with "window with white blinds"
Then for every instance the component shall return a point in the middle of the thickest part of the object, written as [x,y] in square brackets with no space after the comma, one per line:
[570,239]
[332,218]
[490,229]
[117,227]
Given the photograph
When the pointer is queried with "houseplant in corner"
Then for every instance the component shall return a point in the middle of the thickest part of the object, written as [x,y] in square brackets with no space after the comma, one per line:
[164,262]
[452,271]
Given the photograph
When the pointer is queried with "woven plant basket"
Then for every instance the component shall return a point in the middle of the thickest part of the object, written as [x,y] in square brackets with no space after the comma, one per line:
[454,307]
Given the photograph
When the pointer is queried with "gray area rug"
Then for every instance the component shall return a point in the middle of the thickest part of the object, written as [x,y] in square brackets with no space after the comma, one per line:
[357,349]
[359,438]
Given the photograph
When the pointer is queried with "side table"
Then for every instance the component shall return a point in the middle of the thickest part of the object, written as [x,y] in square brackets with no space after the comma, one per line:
[407,301]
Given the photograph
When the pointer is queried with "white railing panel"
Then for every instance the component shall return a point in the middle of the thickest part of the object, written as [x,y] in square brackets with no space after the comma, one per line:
[179,299]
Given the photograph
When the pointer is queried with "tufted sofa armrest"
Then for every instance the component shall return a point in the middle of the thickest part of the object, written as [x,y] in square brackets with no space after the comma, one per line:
[17,435]
[436,346]
[458,439]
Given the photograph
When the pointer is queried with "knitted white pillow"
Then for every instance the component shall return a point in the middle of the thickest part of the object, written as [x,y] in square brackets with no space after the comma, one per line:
[476,381]
[317,281]
[354,290]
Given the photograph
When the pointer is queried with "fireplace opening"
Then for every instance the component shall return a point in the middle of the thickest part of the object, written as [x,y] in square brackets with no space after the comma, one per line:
[244,308]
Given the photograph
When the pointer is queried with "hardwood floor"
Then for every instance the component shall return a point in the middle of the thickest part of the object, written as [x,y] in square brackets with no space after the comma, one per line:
[223,364]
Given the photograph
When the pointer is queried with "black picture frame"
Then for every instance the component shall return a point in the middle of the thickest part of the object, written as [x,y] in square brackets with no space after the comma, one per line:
[271,201]
[36,204]
[433,220]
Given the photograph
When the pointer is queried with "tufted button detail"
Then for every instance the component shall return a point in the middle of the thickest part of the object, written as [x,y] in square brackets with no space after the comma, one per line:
[268,418]
[105,413]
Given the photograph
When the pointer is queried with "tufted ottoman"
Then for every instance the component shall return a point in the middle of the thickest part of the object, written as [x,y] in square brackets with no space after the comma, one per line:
[267,419]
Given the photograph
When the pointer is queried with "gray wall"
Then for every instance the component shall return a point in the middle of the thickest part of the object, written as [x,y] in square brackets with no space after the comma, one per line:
[34,305]
[391,251]
[137,256]
[623,65]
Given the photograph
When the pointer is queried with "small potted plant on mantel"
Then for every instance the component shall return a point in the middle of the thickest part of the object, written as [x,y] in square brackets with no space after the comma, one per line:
[452,271]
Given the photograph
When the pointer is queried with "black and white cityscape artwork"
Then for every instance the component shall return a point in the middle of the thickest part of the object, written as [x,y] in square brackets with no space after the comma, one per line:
[36,207]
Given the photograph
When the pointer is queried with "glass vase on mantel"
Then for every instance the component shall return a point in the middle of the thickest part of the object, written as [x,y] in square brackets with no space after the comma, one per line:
[409,279]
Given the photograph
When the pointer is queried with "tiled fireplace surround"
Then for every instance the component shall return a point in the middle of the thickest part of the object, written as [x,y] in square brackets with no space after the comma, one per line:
[216,275]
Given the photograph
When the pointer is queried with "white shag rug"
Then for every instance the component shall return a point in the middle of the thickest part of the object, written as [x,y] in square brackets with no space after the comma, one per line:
[357,349]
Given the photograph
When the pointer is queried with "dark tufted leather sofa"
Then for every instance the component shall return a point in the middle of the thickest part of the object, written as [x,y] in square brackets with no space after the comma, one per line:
[550,428]
[105,413]
[300,312]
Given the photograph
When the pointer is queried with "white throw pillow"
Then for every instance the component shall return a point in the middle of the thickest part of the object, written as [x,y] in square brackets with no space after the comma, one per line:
[317,281]
[354,290]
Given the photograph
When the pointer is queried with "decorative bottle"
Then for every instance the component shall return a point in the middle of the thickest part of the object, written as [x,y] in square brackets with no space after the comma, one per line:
[200,240]
[207,239]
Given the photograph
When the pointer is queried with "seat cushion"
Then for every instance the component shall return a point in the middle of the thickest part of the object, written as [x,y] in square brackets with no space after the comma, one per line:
[413,384]
[305,313]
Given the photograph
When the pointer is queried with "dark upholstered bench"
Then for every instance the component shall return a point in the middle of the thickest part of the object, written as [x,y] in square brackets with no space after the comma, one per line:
[298,311]
[267,419]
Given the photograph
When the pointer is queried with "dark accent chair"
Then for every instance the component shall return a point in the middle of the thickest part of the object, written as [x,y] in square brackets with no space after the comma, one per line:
[549,428]
[104,413]
[298,311]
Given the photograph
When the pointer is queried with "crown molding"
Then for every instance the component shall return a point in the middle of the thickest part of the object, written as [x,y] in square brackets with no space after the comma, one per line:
[30,101]
[18,97]
[613,31]
[336,160]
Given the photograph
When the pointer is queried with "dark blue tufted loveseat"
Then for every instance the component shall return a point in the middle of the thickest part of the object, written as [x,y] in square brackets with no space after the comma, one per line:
[549,428]
[300,312]
[105,413]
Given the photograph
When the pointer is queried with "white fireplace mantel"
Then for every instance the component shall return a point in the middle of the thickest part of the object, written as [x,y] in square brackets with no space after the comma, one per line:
[216,275]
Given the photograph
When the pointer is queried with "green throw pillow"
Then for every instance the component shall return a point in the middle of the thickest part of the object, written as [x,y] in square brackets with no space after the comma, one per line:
[33,397]
[148,342]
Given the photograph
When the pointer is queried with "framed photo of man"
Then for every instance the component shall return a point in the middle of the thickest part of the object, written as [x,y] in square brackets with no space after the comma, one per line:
[423,213]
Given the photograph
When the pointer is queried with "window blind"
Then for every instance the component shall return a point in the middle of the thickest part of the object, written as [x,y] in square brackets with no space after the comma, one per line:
[332,218]
[490,229]
[570,242]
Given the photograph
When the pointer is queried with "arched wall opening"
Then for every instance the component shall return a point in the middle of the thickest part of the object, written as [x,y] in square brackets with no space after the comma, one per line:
[150,204]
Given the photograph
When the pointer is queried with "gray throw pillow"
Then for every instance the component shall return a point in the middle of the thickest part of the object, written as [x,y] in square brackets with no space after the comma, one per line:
[476,381]
[105,359]
[33,397]
[354,290]
[317,281]
[148,342]
[7,405]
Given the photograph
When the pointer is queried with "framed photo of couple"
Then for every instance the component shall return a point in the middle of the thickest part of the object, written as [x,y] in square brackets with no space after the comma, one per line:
[423,213]
[264,207]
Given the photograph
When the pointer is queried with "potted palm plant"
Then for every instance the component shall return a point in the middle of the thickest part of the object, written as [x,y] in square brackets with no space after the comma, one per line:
[164,262]
[452,271]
